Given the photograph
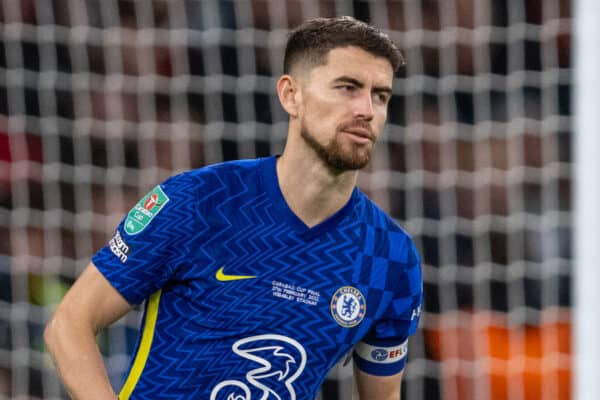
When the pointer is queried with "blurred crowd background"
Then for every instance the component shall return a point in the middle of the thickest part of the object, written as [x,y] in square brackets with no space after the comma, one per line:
[101,100]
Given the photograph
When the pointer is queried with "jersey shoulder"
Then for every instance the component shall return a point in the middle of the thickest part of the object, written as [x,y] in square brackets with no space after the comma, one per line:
[184,201]
[215,181]
[223,172]
[389,237]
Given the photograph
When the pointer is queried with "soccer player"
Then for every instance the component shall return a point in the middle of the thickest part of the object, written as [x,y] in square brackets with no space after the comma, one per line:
[259,275]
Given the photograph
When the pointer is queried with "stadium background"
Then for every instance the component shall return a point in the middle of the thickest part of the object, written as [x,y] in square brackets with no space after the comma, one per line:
[100,100]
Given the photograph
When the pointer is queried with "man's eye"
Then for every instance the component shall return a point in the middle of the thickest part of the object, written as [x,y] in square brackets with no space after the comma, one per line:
[382,97]
[347,88]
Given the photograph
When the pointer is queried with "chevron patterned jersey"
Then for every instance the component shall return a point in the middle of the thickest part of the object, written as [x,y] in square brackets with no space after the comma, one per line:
[244,301]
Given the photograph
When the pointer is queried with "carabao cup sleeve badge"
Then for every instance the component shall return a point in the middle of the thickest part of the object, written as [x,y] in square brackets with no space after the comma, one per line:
[348,306]
[145,210]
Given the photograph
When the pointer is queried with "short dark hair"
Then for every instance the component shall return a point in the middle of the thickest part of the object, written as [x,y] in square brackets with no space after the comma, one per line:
[312,41]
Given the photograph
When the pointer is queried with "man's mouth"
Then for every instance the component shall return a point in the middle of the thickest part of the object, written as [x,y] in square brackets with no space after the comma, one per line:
[359,134]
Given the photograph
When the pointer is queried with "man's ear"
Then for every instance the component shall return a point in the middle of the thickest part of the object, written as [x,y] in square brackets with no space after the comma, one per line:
[288,90]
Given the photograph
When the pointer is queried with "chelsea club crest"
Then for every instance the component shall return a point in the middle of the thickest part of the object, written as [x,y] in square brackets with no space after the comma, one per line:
[348,306]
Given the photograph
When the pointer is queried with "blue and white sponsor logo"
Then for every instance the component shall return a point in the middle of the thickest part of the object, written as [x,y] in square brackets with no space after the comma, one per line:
[379,354]
[119,247]
[348,306]
[382,354]
[279,361]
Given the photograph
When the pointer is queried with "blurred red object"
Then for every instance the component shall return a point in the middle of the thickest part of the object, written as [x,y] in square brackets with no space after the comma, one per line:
[484,356]
[21,157]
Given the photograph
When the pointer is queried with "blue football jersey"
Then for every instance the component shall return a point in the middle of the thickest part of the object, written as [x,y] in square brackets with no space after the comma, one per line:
[245,301]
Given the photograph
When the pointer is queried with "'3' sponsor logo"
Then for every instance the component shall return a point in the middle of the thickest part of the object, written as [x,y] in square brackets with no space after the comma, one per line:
[281,361]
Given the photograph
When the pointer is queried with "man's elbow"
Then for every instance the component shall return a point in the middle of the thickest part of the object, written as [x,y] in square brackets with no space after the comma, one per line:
[51,333]
[59,325]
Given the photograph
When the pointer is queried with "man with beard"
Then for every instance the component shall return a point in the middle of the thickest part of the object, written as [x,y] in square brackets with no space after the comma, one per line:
[258,276]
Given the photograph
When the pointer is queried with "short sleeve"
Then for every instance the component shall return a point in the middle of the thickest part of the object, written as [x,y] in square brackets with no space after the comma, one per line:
[383,350]
[138,260]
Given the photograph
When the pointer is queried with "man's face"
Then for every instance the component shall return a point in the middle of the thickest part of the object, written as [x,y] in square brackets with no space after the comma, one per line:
[344,106]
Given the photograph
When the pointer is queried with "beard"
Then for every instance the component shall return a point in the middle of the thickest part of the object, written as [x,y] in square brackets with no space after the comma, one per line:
[334,155]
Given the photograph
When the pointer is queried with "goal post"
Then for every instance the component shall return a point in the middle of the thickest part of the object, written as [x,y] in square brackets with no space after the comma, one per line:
[586,346]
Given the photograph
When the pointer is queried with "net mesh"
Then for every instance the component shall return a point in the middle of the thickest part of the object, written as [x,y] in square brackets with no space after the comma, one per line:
[100,100]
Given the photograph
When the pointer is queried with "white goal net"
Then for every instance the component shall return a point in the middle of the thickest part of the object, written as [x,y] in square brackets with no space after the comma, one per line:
[102,99]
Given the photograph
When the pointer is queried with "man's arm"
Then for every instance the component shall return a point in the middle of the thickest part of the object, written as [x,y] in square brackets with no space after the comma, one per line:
[70,336]
[377,387]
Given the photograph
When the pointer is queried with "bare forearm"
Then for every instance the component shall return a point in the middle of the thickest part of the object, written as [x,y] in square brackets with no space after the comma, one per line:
[78,360]
[376,394]
[376,387]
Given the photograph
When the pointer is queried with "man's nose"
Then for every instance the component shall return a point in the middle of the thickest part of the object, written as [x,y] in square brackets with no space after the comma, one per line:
[363,107]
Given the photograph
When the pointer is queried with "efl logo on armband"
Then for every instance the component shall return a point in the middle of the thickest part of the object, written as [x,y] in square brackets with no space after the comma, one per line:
[381,354]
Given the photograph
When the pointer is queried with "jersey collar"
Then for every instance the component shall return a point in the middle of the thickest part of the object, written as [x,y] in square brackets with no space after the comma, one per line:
[269,183]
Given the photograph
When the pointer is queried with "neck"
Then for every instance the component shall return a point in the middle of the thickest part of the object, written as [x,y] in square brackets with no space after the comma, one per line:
[312,189]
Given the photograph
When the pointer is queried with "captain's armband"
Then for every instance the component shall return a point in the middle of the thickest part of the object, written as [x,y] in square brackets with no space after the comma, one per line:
[381,358]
